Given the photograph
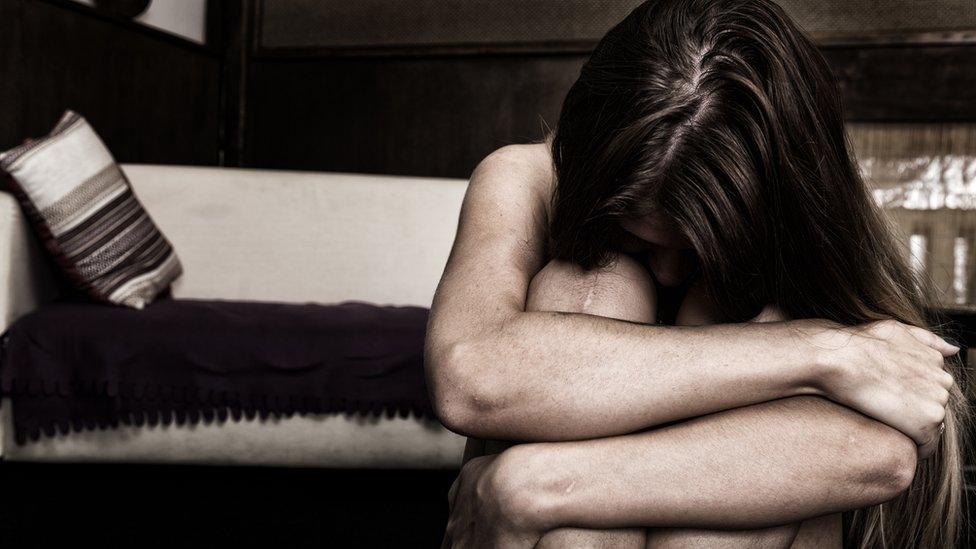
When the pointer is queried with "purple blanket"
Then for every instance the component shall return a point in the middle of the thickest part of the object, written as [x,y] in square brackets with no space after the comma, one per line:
[76,365]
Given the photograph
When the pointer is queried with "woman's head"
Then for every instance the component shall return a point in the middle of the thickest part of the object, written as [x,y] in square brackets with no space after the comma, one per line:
[722,121]
[721,116]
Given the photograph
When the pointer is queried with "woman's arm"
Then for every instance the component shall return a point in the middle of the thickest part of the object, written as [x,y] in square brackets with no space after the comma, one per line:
[755,467]
[830,457]
[497,371]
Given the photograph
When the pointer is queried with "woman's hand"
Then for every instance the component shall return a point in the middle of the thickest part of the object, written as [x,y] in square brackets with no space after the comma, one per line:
[486,510]
[889,371]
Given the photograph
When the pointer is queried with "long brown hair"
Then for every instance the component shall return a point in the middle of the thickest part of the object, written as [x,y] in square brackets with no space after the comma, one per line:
[724,117]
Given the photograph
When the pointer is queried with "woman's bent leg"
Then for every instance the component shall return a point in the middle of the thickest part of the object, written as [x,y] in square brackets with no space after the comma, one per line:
[624,291]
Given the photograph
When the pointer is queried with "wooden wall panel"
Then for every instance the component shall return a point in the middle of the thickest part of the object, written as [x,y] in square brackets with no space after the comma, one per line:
[437,115]
[434,100]
[923,83]
[405,115]
[151,97]
[12,93]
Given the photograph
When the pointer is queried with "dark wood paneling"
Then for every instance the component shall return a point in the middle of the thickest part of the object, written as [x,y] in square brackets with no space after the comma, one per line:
[437,108]
[911,84]
[410,116]
[437,115]
[11,64]
[152,98]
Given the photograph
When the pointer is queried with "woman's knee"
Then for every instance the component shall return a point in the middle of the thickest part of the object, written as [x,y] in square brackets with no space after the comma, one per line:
[624,290]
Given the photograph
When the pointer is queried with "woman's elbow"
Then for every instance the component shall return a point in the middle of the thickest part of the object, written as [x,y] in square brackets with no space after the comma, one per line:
[461,393]
[890,460]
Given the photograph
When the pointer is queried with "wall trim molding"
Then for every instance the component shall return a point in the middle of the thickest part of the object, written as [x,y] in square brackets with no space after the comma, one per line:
[582,47]
[866,39]
[961,37]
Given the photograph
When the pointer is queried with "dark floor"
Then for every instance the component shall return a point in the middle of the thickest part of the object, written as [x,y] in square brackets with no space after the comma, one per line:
[189,507]
[142,506]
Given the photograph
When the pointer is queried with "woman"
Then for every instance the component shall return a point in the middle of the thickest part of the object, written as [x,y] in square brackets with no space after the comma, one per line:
[699,176]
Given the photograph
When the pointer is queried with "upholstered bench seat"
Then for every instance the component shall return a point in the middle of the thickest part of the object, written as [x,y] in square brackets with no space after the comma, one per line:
[266,236]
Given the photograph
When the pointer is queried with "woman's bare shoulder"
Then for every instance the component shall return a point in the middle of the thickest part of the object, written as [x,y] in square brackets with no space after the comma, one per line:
[514,172]
[534,158]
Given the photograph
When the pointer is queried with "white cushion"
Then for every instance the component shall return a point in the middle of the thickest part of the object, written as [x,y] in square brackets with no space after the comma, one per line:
[295,237]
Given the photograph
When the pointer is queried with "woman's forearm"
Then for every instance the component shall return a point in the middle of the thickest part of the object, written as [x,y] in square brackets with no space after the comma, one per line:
[545,376]
[756,467]
[497,371]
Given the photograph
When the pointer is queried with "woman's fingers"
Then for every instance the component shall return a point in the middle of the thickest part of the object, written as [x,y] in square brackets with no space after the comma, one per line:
[946,380]
[947,349]
[933,414]
[941,396]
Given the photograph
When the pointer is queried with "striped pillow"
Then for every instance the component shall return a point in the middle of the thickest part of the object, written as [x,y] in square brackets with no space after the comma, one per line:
[83,208]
